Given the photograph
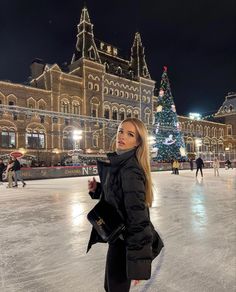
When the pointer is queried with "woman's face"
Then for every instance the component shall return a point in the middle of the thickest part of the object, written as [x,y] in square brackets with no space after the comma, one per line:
[127,136]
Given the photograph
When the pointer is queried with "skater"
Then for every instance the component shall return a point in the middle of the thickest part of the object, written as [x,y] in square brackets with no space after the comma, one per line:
[216,166]
[228,164]
[191,164]
[17,173]
[9,171]
[200,165]
[2,168]
[126,184]
[176,166]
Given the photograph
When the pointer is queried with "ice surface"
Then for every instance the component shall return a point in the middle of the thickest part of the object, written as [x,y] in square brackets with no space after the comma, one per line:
[44,234]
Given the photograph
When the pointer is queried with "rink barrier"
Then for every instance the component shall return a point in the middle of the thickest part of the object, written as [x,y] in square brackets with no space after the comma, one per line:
[88,170]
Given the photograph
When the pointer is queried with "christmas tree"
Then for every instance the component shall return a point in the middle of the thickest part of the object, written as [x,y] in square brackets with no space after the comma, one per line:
[169,142]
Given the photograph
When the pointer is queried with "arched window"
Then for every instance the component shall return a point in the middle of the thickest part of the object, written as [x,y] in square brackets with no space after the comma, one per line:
[7,138]
[96,87]
[106,90]
[136,115]
[92,54]
[94,107]
[114,114]
[64,106]
[122,114]
[106,113]
[76,108]
[119,71]
[129,113]
[189,145]
[90,85]
[95,141]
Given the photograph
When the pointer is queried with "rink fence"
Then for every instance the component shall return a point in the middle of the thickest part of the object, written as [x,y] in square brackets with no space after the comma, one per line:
[88,170]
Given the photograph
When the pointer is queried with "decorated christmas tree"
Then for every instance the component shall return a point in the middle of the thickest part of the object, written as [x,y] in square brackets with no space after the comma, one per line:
[169,142]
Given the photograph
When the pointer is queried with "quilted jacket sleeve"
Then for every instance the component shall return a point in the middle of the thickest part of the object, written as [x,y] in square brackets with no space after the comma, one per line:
[138,229]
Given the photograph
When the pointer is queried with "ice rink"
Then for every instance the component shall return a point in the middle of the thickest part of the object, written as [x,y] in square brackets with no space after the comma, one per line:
[44,234]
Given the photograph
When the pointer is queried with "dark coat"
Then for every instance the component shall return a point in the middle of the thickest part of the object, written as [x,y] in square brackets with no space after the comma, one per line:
[199,162]
[123,186]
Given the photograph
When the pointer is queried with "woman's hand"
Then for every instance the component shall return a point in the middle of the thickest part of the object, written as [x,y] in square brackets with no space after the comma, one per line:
[92,185]
[136,282]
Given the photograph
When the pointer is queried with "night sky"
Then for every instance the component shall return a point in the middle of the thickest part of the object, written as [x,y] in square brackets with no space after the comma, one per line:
[195,39]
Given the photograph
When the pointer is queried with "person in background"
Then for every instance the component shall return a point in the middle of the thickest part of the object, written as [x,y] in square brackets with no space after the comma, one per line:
[176,166]
[126,184]
[17,173]
[2,168]
[191,163]
[216,166]
[10,173]
[228,164]
[200,165]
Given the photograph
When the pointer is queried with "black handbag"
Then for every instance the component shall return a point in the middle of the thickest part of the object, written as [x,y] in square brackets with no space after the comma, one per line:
[107,221]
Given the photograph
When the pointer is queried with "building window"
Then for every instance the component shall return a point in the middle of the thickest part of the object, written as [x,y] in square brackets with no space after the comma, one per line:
[95,141]
[106,113]
[92,54]
[147,118]
[90,85]
[35,140]
[129,114]
[11,103]
[7,139]
[136,114]
[106,90]
[42,106]
[14,116]
[68,142]
[76,109]
[64,107]
[42,119]
[114,114]
[96,87]
[229,130]
[122,115]
[55,120]
[31,105]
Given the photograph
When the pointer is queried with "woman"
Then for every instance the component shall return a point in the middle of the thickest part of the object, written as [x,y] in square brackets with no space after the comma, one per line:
[176,166]
[9,172]
[126,184]
[216,166]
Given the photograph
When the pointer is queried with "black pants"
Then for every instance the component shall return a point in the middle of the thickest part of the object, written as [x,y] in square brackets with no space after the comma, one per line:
[198,170]
[115,274]
[176,171]
[1,173]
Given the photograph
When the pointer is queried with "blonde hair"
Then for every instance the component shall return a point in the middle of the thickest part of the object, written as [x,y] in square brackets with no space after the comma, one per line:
[143,157]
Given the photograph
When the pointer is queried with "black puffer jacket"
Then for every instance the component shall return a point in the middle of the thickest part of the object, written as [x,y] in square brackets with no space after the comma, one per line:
[123,186]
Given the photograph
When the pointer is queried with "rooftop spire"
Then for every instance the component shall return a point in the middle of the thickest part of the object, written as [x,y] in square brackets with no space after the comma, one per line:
[138,62]
[85,45]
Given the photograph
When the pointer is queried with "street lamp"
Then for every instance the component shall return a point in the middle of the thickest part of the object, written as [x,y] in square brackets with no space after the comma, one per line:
[198,143]
[77,136]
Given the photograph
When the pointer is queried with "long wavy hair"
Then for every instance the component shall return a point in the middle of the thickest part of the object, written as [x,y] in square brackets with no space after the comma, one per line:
[143,156]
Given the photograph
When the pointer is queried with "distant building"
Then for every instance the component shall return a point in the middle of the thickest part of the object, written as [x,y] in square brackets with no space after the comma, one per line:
[93,93]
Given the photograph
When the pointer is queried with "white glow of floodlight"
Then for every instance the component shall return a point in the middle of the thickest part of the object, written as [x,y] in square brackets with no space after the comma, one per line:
[195,116]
